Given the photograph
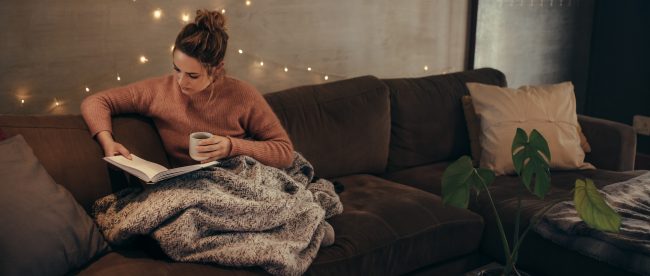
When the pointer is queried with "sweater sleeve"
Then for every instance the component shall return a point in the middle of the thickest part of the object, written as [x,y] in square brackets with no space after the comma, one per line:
[98,108]
[271,144]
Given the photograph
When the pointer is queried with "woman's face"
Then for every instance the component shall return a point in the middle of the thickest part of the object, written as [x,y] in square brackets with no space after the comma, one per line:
[191,76]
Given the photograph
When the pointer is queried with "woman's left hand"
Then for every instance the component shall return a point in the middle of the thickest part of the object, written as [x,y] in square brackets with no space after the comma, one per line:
[215,148]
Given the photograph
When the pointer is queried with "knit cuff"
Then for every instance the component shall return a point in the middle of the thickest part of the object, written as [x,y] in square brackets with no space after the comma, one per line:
[235,146]
[99,127]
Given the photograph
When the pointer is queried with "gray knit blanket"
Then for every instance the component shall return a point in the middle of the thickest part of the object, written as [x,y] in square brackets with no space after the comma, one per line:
[628,249]
[237,213]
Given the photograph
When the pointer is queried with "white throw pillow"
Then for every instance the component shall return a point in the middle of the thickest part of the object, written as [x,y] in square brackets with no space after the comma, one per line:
[551,109]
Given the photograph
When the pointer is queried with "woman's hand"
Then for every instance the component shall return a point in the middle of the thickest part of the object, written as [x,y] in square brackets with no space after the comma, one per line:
[215,147]
[112,148]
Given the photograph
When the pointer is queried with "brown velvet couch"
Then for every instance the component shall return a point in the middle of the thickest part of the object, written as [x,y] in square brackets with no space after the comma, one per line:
[387,141]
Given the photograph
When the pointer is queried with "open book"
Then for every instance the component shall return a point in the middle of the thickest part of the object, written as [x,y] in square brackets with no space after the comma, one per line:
[151,172]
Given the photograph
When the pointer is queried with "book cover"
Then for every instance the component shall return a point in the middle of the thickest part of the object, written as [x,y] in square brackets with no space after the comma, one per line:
[151,172]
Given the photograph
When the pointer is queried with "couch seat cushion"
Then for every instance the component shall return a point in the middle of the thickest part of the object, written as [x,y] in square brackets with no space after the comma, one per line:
[138,263]
[388,228]
[557,260]
[427,177]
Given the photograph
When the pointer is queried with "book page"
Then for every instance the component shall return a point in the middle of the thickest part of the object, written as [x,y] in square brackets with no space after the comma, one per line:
[148,168]
[181,170]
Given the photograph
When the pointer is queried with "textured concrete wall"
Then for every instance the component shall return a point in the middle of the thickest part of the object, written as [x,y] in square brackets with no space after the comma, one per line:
[52,51]
[536,41]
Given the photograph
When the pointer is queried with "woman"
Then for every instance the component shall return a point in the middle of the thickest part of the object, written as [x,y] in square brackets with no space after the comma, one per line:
[197,97]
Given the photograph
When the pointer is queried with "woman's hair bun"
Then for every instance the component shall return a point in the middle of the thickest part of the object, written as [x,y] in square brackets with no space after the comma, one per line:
[211,21]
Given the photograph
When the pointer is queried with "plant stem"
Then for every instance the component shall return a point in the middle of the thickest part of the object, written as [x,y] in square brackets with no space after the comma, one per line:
[504,240]
[536,219]
[516,234]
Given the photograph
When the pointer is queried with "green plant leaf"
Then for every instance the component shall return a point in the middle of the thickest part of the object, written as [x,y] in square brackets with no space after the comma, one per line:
[542,182]
[538,142]
[518,144]
[460,178]
[487,176]
[455,183]
[593,209]
[530,157]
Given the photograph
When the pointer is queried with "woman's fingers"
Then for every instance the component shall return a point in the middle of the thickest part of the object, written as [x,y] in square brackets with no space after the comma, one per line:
[116,148]
[123,151]
[212,144]
[210,141]
[213,155]
[214,148]
[208,148]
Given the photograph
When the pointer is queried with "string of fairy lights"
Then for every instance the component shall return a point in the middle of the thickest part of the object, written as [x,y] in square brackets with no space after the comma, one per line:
[262,62]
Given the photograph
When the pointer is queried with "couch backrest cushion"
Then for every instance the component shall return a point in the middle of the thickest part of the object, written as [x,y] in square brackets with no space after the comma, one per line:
[64,147]
[427,120]
[341,127]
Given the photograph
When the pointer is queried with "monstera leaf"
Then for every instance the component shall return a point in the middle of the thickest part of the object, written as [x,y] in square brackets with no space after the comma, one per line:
[460,178]
[530,156]
[593,209]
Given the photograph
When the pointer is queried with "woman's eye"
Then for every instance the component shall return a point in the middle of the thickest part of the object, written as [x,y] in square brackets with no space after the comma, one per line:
[176,69]
[193,77]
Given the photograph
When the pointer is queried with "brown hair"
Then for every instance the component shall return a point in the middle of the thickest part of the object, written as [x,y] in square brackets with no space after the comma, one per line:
[205,39]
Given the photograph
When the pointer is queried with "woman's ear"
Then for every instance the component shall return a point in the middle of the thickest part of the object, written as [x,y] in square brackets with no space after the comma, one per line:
[219,66]
[216,70]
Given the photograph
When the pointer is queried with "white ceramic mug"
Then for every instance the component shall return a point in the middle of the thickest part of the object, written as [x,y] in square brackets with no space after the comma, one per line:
[195,138]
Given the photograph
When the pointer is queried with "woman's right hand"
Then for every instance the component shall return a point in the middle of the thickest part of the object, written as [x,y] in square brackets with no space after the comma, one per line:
[112,148]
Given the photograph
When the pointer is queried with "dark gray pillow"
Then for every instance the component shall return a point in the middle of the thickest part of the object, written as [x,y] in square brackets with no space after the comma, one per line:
[43,230]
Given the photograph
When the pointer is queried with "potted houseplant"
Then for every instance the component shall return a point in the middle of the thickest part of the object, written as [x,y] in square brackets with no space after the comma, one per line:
[530,157]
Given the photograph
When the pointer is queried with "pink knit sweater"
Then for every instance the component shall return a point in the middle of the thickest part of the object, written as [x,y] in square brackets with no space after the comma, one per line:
[235,110]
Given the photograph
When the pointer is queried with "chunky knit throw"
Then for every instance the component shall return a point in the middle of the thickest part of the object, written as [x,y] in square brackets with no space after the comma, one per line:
[238,213]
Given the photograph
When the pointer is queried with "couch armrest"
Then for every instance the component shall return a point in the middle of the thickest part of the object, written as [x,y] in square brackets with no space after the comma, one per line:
[613,144]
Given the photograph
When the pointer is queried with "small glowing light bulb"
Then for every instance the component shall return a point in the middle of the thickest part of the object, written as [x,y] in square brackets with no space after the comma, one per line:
[326,77]
[426,68]
[261,63]
[87,89]
[240,51]
[22,101]
[286,69]
[56,102]
[308,68]
[186,17]
[118,77]
[157,13]
[248,2]
[223,11]
[143,59]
